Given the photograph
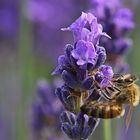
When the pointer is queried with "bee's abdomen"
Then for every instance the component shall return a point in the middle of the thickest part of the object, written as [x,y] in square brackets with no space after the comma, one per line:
[103,110]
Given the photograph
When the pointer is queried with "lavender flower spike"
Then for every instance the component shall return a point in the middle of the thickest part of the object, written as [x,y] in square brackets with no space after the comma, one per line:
[117,21]
[44,113]
[82,68]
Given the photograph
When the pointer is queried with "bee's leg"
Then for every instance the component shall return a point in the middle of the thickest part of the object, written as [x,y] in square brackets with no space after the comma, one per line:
[109,91]
[117,75]
[85,95]
[77,94]
[111,83]
[106,94]
[115,87]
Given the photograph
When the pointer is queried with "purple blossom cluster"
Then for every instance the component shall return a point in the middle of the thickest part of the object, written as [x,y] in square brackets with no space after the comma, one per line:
[9,24]
[117,21]
[77,127]
[45,114]
[82,67]
[44,11]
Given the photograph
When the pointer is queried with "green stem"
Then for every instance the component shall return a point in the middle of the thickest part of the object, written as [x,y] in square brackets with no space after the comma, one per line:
[27,76]
[107,130]
[78,102]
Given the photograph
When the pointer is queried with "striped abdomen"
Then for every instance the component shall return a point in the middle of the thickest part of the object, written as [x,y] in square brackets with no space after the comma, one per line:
[103,110]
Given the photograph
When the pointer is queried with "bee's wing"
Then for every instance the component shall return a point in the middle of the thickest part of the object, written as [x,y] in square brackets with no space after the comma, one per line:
[129,117]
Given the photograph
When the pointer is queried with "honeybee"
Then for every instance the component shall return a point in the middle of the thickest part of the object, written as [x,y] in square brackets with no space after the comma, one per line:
[114,106]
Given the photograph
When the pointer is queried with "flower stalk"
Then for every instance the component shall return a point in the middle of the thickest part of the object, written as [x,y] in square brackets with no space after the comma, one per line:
[107,130]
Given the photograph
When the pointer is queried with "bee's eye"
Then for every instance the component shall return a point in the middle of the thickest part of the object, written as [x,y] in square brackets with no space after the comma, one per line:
[129,80]
[120,80]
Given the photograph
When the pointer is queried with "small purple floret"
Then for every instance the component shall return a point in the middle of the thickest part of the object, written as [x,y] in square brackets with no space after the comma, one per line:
[81,32]
[84,53]
[107,75]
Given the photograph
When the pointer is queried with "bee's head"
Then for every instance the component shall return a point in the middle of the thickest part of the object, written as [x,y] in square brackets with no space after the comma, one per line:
[124,80]
[129,79]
